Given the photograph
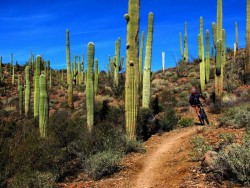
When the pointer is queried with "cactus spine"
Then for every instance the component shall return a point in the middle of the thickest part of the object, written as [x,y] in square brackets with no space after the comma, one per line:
[90,87]
[146,92]
[36,85]
[132,68]
[27,91]
[69,74]
[141,56]
[96,77]
[43,106]
[117,61]
[207,56]
[247,64]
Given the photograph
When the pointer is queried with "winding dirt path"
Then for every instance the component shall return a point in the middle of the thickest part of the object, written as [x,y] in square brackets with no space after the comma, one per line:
[161,165]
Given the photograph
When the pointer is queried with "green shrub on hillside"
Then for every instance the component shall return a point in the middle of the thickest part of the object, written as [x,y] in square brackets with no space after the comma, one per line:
[169,120]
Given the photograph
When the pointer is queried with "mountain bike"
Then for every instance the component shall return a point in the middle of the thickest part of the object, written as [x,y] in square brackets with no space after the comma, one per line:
[203,116]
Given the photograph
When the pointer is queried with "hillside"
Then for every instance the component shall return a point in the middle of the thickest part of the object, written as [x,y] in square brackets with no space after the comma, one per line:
[173,147]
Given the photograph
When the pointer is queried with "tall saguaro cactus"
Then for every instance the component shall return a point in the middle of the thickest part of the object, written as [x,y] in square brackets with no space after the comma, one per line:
[141,56]
[186,43]
[202,63]
[132,68]
[247,64]
[43,106]
[236,36]
[207,56]
[37,87]
[181,49]
[96,77]
[90,87]
[27,91]
[69,73]
[146,92]
[117,61]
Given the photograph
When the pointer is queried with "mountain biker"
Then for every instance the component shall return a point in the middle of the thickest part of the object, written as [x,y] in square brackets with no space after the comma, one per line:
[194,100]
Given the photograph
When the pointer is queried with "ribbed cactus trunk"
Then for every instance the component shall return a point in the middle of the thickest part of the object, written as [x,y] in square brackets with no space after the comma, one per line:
[186,43]
[218,79]
[146,91]
[132,68]
[36,85]
[96,77]
[79,75]
[20,90]
[27,91]
[247,64]
[43,107]
[207,56]
[181,48]
[69,74]
[13,75]
[202,63]
[83,73]
[117,61]
[141,57]
[90,87]
[214,30]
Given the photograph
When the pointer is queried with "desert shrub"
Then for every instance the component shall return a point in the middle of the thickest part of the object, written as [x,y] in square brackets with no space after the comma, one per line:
[234,163]
[102,164]
[195,82]
[186,122]
[174,78]
[237,117]
[184,95]
[145,124]
[167,99]
[226,138]
[182,103]
[134,146]
[199,148]
[64,104]
[168,120]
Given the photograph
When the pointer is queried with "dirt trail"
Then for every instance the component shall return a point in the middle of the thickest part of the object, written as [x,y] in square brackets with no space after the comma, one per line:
[160,166]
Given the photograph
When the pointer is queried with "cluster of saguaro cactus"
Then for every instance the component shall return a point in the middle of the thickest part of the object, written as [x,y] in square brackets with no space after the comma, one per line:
[69,74]
[36,85]
[184,53]
[27,91]
[146,92]
[132,68]
[247,64]
[43,106]
[90,87]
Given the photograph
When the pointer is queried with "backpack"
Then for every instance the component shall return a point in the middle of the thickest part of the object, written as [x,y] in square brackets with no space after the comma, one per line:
[194,99]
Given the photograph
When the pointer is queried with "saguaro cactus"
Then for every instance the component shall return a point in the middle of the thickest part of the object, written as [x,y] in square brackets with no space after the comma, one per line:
[13,75]
[69,74]
[247,64]
[117,61]
[186,43]
[132,68]
[20,90]
[236,36]
[37,88]
[90,87]
[43,107]
[146,92]
[218,80]
[141,56]
[202,63]
[207,56]
[96,77]
[181,49]
[27,91]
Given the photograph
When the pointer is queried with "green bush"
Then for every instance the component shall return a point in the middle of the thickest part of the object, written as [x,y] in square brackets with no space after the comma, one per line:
[184,95]
[168,120]
[199,148]
[186,122]
[183,103]
[234,163]
[237,117]
[102,164]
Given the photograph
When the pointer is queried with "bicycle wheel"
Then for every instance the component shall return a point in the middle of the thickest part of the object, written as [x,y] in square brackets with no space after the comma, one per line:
[205,117]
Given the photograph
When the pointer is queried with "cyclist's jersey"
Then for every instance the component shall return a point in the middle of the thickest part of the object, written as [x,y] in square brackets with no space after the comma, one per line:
[194,98]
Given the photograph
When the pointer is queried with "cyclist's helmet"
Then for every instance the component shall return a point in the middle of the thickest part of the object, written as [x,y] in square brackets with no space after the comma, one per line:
[193,90]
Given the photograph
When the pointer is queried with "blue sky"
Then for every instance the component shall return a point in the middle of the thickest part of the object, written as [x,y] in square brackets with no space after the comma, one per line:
[40,26]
